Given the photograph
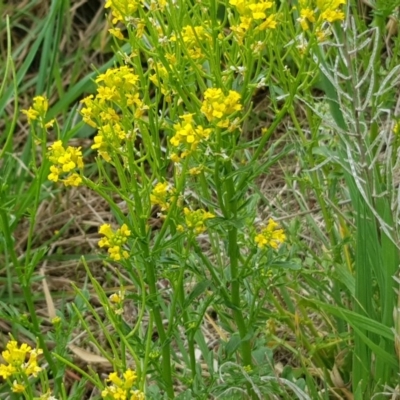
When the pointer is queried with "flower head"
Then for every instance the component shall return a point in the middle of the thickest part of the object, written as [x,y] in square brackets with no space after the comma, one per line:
[253,12]
[270,236]
[161,195]
[38,109]
[19,359]
[65,160]
[114,241]
[17,387]
[122,10]
[219,107]
[195,220]
[121,387]
[192,37]
[318,13]
[187,133]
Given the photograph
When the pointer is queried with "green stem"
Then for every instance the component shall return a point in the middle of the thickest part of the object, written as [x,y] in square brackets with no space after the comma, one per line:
[180,296]
[165,347]
[233,253]
[189,331]
[147,352]
[235,297]
[234,266]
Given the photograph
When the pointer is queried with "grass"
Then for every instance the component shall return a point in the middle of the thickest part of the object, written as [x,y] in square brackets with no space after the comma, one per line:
[201,202]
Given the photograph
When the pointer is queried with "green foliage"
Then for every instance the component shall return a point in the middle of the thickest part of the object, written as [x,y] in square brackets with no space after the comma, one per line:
[239,164]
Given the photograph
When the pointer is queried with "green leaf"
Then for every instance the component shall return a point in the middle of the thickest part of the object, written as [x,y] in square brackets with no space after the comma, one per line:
[199,289]
[292,265]
[233,344]
[354,319]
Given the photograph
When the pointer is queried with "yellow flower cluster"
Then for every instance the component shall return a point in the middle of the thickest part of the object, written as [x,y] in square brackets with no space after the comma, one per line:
[253,13]
[38,109]
[192,36]
[122,10]
[162,195]
[195,220]
[160,78]
[218,108]
[117,301]
[115,79]
[187,133]
[108,137]
[117,89]
[19,360]
[318,12]
[270,236]
[122,388]
[65,160]
[114,241]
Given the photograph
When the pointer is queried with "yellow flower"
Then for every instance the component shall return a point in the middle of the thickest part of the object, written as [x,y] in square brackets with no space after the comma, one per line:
[117,33]
[15,354]
[90,111]
[187,133]
[40,104]
[195,220]
[174,158]
[258,9]
[117,298]
[121,387]
[72,180]
[17,387]
[7,370]
[38,110]
[49,124]
[306,15]
[54,173]
[56,320]
[269,23]
[161,195]
[195,170]
[253,10]
[270,236]
[332,15]
[122,78]
[115,379]
[64,161]
[115,253]
[101,146]
[217,106]
[192,37]
[239,4]
[130,378]
[15,357]
[110,137]
[31,114]
[121,10]
[160,78]
[114,241]
[325,11]
[106,230]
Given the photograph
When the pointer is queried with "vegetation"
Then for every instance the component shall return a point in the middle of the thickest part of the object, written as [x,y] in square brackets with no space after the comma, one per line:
[199,199]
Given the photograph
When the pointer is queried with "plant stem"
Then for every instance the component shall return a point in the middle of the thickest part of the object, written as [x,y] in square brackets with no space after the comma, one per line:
[233,253]
[165,348]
